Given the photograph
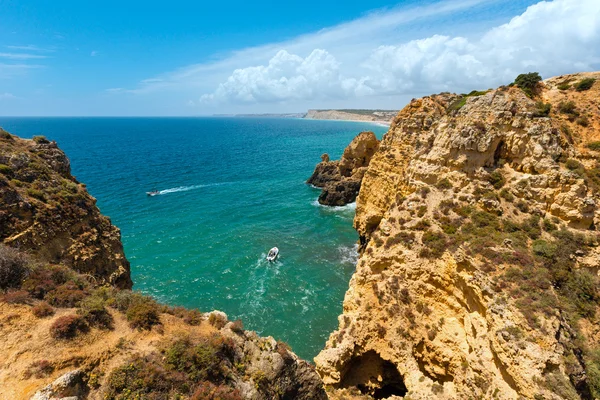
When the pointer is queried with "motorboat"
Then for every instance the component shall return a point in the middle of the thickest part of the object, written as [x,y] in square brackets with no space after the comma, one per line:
[273,253]
[153,193]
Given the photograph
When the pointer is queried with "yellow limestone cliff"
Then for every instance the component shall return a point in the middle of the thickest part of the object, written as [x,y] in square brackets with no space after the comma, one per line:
[478,275]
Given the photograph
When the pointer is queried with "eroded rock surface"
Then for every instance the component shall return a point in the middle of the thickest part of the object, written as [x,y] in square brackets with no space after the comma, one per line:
[477,218]
[44,210]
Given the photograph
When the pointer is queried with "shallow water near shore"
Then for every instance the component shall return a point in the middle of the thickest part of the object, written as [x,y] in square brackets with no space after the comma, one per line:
[230,189]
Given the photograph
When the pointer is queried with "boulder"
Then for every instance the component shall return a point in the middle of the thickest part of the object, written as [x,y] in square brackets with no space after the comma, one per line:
[67,386]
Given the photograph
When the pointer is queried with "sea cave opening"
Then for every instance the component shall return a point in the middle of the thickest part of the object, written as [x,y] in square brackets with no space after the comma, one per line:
[374,376]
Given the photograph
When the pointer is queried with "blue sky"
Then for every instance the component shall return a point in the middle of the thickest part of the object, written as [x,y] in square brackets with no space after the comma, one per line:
[198,58]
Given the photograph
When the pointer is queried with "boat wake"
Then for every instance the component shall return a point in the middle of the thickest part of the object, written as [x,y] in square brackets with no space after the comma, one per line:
[193,187]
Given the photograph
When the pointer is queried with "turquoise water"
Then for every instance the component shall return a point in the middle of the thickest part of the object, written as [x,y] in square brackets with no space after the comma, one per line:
[230,190]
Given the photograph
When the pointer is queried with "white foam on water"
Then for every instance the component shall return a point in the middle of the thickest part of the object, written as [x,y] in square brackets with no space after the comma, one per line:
[348,255]
[347,207]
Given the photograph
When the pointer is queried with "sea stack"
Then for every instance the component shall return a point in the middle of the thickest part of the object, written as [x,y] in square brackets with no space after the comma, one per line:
[341,179]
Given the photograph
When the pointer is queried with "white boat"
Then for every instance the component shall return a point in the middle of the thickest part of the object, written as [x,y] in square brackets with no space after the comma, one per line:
[273,253]
[153,193]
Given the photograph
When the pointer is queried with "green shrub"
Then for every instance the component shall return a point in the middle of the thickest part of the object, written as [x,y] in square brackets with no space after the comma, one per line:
[549,226]
[404,237]
[583,121]
[573,164]
[593,372]
[585,84]
[568,107]
[43,280]
[485,219]
[143,312]
[581,288]
[593,146]
[522,206]
[531,227]
[40,139]
[237,326]
[39,369]
[5,169]
[543,249]
[434,244]
[209,391]
[198,361]
[422,224]
[542,109]
[496,179]
[5,135]
[14,267]
[68,326]
[94,313]
[475,93]
[36,194]
[444,184]
[190,317]
[528,82]
[143,377]
[507,195]
[16,297]
[458,104]
[66,295]
[42,309]
[564,86]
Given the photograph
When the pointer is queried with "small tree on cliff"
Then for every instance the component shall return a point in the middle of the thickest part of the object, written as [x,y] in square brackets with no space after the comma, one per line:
[528,82]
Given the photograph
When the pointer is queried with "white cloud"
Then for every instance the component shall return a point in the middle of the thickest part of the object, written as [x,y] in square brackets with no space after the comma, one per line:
[392,55]
[286,77]
[30,47]
[352,42]
[21,56]
[7,96]
[11,70]
[551,37]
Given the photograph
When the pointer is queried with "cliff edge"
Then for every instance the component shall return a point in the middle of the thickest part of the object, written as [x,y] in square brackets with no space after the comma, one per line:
[478,274]
[45,211]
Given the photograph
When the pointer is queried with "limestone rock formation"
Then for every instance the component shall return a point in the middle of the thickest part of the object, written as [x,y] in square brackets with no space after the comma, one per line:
[47,212]
[478,274]
[341,179]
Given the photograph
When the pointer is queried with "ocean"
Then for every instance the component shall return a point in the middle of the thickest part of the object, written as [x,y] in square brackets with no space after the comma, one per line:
[231,188]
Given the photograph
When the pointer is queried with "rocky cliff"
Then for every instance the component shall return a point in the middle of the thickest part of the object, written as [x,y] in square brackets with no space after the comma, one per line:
[478,274]
[47,212]
[69,326]
[341,179]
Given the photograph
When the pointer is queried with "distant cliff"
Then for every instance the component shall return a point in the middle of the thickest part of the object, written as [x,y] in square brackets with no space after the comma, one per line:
[478,275]
[383,116]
